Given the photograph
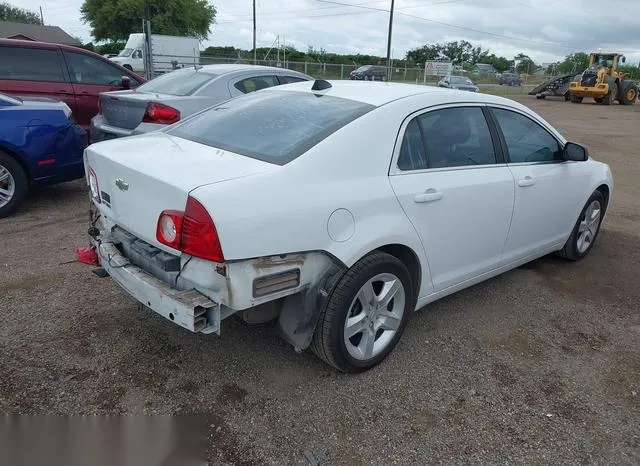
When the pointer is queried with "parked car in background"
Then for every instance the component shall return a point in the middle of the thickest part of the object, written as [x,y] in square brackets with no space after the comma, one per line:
[40,143]
[178,94]
[510,79]
[70,74]
[337,209]
[369,73]
[168,52]
[458,82]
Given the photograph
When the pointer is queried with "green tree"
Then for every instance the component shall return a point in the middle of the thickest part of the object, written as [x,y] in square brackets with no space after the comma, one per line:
[501,64]
[525,63]
[18,15]
[425,53]
[116,19]
[574,63]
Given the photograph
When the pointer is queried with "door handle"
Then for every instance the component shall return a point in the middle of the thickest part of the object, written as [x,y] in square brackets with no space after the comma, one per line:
[429,195]
[526,181]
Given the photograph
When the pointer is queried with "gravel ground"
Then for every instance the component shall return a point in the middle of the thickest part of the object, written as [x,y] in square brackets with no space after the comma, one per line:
[539,365]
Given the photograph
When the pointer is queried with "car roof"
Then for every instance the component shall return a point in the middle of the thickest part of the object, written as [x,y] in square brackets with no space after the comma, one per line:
[238,67]
[379,93]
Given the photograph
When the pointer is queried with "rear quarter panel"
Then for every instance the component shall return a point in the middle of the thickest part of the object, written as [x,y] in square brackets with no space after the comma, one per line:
[289,210]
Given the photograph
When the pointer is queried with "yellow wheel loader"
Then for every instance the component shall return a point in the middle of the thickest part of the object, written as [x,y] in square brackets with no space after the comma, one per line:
[603,82]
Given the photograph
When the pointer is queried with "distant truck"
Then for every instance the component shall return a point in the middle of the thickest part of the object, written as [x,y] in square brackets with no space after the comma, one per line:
[168,53]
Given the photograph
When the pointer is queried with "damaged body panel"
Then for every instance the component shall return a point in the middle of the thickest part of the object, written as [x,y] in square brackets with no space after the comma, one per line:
[198,294]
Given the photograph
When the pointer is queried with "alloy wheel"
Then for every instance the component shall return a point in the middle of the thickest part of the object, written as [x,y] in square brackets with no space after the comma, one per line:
[374,316]
[7,186]
[588,227]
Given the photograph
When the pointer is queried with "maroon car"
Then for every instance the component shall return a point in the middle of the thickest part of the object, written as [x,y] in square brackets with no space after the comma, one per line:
[73,75]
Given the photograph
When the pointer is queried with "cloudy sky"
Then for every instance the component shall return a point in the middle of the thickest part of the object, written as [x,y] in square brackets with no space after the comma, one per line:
[546,31]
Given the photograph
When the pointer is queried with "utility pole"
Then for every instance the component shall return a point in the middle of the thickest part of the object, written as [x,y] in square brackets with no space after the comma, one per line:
[255,61]
[389,42]
[41,17]
[148,48]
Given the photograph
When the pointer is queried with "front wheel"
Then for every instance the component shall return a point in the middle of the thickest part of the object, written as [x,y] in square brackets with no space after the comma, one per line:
[586,229]
[366,314]
[13,185]
[576,99]
[129,67]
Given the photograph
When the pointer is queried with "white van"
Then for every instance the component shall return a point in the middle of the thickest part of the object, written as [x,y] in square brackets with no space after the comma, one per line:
[168,52]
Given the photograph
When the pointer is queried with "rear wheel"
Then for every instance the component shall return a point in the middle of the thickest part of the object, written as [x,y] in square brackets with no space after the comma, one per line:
[13,185]
[366,314]
[629,93]
[586,229]
[599,100]
[576,99]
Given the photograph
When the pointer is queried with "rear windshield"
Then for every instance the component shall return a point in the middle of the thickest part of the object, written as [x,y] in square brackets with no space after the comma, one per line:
[273,126]
[182,82]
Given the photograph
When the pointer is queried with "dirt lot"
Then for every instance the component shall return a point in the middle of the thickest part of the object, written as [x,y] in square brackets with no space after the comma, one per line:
[540,365]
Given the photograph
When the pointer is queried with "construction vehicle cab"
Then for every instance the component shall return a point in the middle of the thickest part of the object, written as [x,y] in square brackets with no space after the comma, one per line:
[603,82]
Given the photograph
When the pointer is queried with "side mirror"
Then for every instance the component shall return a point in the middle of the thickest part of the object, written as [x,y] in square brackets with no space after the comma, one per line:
[125,82]
[575,152]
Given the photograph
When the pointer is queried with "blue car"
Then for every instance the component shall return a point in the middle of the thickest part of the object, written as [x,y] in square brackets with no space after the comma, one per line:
[40,143]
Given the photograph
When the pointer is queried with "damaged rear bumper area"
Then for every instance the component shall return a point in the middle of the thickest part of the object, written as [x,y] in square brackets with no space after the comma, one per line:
[197,294]
[189,309]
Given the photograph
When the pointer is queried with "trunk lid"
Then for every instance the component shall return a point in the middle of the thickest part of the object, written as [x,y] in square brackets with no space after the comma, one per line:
[140,177]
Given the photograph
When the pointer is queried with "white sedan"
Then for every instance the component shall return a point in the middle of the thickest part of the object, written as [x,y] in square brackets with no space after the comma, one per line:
[337,209]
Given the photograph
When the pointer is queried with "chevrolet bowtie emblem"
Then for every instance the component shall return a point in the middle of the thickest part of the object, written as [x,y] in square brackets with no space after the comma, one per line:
[122,184]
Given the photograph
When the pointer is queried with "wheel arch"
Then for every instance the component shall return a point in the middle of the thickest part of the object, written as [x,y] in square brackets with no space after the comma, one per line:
[606,193]
[16,156]
[408,257]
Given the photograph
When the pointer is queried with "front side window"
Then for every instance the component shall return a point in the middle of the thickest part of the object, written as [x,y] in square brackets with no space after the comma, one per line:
[27,64]
[85,69]
[137,54]
[274,126]
[526,140]
[452,137]
[256,83]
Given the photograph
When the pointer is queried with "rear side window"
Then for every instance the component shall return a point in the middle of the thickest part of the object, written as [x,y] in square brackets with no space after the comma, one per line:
[182,82]
[275,126]
[284,79]
[256,83]
[27,64]
[452,137]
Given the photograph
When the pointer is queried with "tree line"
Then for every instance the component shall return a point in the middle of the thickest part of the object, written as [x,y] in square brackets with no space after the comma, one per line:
[111,22]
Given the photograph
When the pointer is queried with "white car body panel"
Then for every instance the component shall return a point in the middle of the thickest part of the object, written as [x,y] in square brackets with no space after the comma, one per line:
[344,198]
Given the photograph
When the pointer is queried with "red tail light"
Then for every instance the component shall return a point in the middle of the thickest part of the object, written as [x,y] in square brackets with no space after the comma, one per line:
[160,114]
[192,232]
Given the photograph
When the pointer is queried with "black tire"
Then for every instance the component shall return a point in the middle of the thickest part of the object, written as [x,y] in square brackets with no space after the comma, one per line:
[571,251]
[628,93]
[20,184]
[610,98]
[128,67]
[599,100]
[576,99]
[328,340]
[540,97]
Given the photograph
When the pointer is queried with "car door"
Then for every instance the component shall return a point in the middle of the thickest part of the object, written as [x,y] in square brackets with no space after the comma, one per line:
[452,183]
[89,77]
[548,194]
[35,72]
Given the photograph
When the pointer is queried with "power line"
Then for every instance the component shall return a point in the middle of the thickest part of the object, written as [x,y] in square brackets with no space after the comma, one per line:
[465,28]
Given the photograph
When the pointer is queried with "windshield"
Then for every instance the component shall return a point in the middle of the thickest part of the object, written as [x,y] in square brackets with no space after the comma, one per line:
[364,68]
[272,126]
[125,52]
[459,80]
[181,82]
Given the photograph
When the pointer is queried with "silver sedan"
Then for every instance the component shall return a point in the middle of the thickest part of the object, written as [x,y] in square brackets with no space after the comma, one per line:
[173,96]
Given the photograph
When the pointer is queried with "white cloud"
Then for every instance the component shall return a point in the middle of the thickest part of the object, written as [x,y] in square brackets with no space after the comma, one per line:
[545,31]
